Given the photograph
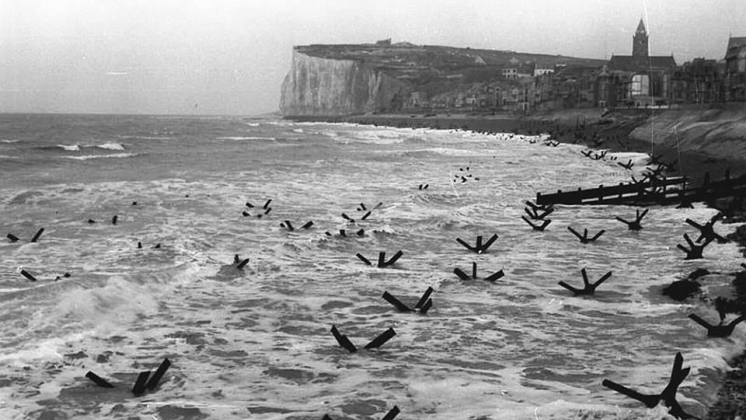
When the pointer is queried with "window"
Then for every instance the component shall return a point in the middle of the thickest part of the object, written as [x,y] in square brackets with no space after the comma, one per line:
[640,85]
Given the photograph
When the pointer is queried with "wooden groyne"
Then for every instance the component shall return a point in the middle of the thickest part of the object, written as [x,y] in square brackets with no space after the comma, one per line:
[662,191]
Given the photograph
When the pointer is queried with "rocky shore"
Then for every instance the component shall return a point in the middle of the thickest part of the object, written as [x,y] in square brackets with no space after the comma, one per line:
[694,142]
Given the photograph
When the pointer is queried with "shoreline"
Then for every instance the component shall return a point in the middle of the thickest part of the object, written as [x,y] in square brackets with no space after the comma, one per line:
[593,128]
[613,132]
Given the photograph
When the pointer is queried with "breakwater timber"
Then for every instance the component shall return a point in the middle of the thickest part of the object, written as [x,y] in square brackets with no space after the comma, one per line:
[187,240]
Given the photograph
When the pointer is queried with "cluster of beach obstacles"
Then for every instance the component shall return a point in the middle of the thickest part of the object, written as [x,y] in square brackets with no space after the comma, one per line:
[653,185]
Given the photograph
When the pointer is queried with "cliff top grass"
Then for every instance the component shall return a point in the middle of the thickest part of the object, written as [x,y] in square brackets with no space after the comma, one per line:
[407,56]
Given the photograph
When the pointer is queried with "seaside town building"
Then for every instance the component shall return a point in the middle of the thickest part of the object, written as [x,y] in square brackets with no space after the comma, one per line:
[735,69]
[641,79]
[638,80]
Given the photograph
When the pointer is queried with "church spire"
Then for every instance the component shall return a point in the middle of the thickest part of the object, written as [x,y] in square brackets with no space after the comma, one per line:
[641,28]
[640,41]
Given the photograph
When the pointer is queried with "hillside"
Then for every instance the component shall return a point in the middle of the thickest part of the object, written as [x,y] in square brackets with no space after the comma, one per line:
[338,80]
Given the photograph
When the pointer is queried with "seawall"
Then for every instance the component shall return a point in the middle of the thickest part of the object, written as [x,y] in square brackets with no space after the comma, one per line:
[699,139]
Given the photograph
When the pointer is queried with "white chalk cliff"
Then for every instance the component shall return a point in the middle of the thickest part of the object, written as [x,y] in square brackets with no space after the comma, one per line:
[317,86]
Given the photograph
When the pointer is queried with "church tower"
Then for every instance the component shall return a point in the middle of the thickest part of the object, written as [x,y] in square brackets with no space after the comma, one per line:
[640,41]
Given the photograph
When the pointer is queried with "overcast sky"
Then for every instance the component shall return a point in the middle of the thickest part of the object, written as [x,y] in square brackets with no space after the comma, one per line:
[230,56]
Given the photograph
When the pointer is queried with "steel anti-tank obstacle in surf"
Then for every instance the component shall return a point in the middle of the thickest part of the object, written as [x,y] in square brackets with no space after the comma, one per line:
[424,304]
[382,263]
[707,231]
[479,247]
[584,239]
[463,276]
[391,415]
[343,233]
[533,210]
[374,344]
[538,228]
[694,251]
[240,263]
[668,396]
[721,330]
[588,287]
[13,238]
[144,382]
[634,224]
[28,275]
[38,235]
[103,383]
[265,210]
[289,226]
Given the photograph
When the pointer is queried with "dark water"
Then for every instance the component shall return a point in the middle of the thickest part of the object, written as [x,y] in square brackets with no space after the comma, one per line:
[256,343]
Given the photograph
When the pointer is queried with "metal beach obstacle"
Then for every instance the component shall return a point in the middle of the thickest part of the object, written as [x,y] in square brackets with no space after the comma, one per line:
[720,330]
[668,396]
[584,239]
[588,287]
[479,247]
[463,276]
[240,263]
[533,210]
[289,226]
[145,381]
[695,251]
[635,224]
[375,343]
[538,228]
[38,235]
[424,304]
[707,230]
[98,380]
[382,263]
[391,415]
[627,165]
[28,275]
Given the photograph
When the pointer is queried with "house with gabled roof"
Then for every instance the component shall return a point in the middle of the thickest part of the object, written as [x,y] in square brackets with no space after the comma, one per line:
[735,69]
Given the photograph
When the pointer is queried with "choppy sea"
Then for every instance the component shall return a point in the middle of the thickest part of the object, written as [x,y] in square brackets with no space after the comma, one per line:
[255,343]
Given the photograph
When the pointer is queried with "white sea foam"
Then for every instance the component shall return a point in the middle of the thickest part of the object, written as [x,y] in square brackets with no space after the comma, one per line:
[109,156]
[9,141]
[146,137]
[70,147]
[519,348]
[239,138]
[111,146]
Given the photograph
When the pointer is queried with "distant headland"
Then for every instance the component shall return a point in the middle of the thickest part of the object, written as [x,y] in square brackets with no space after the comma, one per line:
[386,77]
